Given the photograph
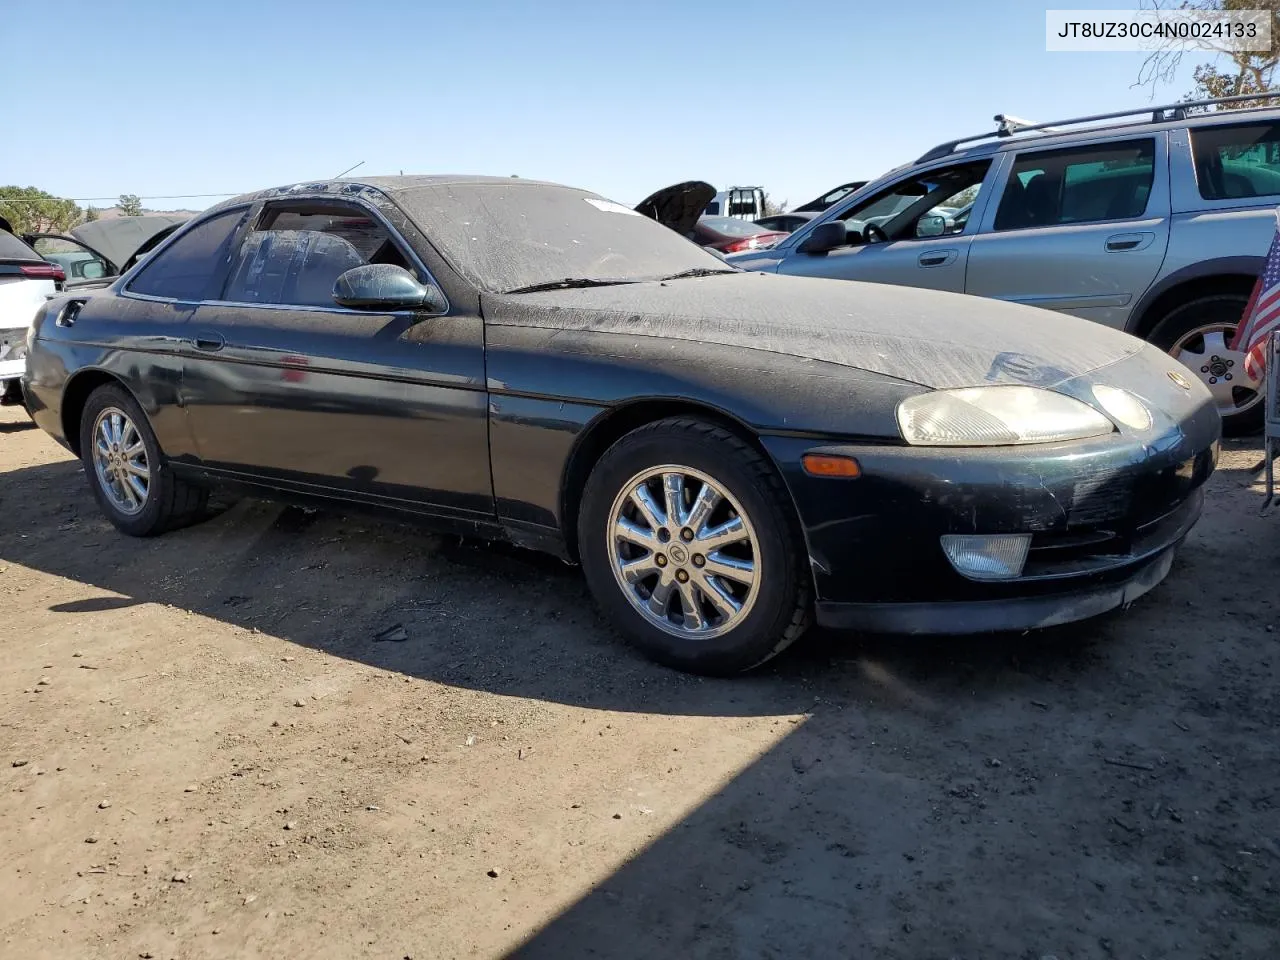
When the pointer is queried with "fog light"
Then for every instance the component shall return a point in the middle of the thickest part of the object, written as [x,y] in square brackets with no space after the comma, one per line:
[996,557]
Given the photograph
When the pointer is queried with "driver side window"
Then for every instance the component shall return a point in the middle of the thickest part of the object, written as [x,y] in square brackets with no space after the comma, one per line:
[296,255]
[933,204]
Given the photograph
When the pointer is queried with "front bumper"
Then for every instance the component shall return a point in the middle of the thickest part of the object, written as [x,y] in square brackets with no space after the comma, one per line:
[1106,517]
[1013,613]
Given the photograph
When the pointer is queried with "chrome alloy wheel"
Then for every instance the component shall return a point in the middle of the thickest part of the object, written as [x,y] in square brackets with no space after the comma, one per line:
[1204,351]
[120,461]
[684,552]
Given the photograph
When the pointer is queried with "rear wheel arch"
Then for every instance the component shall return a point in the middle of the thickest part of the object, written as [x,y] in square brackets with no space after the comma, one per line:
[610,427]
[1186,291]
[76,394]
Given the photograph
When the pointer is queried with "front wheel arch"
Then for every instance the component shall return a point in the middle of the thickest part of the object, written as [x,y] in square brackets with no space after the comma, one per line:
[614,424]
[779,606]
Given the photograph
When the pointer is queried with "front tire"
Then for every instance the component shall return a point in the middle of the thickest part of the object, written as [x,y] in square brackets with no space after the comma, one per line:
[1196,334]
[126,470]
[689,545]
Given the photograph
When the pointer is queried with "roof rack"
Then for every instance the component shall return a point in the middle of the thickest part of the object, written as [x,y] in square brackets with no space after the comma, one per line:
[1010,125]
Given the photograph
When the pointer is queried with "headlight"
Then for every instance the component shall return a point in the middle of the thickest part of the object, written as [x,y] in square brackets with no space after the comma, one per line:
[1123,407]
[997,416]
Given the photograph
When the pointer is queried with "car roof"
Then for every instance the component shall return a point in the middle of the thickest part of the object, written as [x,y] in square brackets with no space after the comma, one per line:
[1047,139]
[387,185]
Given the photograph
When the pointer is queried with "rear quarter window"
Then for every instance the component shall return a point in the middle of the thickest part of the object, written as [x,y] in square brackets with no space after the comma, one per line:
[11,248]
[1237,162]
[185,268]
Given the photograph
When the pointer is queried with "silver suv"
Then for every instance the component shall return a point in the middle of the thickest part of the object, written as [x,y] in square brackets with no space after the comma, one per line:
[1158,227]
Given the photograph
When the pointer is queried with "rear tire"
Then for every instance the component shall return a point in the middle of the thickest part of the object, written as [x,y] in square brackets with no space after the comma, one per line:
[1190,332]
[11,394]
[127,472]
[747,549]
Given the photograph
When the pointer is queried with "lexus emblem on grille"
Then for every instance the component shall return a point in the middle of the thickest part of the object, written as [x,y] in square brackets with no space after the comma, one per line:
[1179,379]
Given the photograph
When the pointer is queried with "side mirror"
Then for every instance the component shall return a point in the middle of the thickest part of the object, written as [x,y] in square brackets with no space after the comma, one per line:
[384,286]
[825,237]
[93,270]
[932,226]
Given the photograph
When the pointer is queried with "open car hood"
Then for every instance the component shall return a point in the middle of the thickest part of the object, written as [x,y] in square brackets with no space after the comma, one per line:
[679,205]
[119,238]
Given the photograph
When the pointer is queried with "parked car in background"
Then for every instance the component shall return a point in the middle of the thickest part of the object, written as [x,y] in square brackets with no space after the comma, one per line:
[730,235]
[794,219]
[93,254]
[785,222]
[27,281]
[727,455]
[818,204]
[1157,227]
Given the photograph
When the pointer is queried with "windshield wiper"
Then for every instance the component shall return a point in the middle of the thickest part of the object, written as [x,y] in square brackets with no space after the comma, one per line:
[699,272]
[567,284]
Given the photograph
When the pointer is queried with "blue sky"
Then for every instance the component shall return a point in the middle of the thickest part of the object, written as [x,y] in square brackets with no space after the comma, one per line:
[163,97]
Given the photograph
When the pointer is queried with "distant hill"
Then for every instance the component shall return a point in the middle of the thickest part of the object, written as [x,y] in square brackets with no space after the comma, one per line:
[110,213]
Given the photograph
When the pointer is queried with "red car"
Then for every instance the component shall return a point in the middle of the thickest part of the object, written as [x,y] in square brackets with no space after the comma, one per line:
[730,235]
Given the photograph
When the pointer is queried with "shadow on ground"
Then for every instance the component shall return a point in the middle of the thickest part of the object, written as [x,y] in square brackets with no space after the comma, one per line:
[1102,790]
[482,616]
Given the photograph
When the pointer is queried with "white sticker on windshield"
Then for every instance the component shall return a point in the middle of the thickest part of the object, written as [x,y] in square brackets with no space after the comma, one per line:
[608,206]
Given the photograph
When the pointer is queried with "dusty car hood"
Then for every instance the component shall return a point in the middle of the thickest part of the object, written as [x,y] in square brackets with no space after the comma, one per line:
[119,238]
[679,205]
[934,339]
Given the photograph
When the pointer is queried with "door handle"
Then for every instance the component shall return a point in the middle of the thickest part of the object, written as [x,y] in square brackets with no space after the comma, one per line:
[209,341]
[1129,241]
[936,258]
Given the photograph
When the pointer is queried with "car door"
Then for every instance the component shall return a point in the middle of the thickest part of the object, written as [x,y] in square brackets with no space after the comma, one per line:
[149,338]
[284,387]
[1080,229]
[82,264]
[894,235]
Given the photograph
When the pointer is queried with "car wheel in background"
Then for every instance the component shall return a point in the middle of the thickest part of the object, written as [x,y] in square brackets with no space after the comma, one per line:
[689,545]
[11,394]
[126,470]
[1196,334]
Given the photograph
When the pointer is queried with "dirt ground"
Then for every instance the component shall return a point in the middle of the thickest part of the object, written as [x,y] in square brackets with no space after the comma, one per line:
[206,751]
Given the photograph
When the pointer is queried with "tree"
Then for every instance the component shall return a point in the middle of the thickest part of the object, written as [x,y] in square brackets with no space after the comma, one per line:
[33,211]
[1232,72]
[90,213]
[130,205]
[964,197]
[771,208]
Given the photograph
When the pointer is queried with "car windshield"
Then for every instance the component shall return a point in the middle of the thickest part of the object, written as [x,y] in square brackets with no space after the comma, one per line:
[732,227]
[509,236]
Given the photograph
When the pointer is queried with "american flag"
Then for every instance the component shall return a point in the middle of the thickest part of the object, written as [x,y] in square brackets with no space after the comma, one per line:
[1262,313]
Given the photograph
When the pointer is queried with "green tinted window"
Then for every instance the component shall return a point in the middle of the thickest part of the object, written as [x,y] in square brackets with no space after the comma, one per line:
[1237,162]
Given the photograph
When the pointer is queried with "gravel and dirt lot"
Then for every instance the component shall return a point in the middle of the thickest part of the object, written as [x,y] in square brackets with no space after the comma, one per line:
[286,734]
